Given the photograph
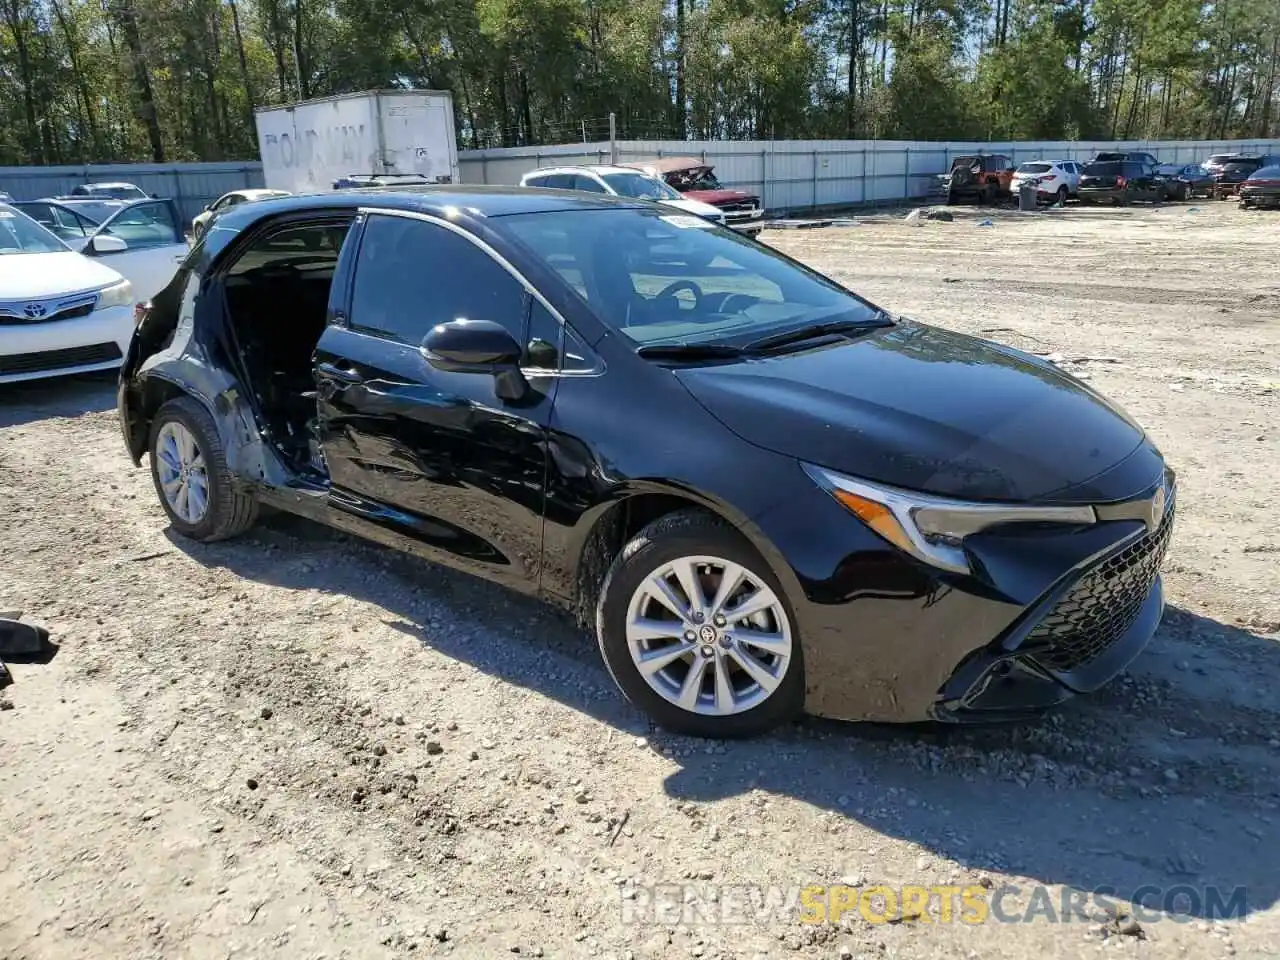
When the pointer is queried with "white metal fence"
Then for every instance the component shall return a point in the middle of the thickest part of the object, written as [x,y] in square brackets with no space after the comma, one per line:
[789,175]
[797,175]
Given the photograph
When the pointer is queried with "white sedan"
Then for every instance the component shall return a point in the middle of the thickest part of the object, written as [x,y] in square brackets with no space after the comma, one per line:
[225,202]
[64,312]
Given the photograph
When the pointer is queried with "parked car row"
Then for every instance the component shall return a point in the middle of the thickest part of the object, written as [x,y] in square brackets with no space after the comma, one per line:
[1118,177]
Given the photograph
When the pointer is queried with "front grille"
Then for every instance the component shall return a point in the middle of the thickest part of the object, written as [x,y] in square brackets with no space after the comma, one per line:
[47,311]
[1102,605]
[58,359]
[739,206]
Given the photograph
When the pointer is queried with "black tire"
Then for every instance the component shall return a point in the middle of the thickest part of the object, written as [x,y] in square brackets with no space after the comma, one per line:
[690,533]
[1061,198]
[231,511]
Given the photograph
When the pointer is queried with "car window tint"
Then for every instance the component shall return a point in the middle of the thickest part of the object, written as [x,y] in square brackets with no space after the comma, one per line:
[572,352]
[583,182]
[145,225]
[301,250]
[412,275]
[556,181]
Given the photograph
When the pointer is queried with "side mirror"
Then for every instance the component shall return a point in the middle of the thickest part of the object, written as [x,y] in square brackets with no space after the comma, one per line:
[477,346]
[105,243]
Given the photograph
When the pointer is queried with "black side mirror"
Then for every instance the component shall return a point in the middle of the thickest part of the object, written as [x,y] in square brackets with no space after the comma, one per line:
[477,346]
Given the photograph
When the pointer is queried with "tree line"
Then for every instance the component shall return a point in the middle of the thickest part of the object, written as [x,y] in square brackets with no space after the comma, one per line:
[178,80]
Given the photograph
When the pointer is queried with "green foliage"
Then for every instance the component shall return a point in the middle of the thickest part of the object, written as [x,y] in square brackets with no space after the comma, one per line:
[103,80]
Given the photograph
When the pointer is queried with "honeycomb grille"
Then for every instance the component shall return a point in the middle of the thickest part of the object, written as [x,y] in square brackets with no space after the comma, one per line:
[1103,604]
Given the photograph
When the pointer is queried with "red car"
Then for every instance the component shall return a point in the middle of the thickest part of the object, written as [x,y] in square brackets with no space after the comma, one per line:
[694,179]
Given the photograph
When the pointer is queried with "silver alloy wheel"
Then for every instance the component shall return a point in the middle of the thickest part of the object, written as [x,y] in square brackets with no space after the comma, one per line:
[709,636]
[181,469]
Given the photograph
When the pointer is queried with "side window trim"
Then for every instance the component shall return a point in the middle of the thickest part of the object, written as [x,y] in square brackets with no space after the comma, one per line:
[526,286]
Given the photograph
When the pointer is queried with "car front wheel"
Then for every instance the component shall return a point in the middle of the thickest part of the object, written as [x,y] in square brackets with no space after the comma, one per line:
[189,469]
[695,630]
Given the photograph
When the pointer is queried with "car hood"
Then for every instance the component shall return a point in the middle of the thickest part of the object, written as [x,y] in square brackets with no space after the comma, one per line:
[696,207]
[40,276]
[926,409]
[718,197]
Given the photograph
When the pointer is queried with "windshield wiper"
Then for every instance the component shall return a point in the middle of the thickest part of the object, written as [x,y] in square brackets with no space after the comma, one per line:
[812,331]
[689,351]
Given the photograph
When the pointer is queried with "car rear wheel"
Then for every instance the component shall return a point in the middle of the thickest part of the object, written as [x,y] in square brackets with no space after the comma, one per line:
[1061,199]
[696,632]
[189,469]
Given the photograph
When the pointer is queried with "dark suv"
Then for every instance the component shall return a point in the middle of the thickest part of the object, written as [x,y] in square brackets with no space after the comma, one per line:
[1236,170]
[1120,181]
[981,177]
[1135,155]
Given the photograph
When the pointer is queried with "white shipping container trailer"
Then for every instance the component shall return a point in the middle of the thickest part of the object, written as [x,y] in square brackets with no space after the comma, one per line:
[306,146]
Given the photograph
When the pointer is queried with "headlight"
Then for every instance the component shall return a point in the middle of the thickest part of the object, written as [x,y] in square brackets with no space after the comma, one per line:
[117,295]
[931,528]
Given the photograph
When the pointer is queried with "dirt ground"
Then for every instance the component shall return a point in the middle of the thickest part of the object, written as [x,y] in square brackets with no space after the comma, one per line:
[300,745]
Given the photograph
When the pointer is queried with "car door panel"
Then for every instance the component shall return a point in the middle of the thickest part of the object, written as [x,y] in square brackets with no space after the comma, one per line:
[432,458]
[155,248]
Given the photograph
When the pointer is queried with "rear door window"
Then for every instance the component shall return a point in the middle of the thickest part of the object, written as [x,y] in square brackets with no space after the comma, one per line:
[556,181]
[583,182]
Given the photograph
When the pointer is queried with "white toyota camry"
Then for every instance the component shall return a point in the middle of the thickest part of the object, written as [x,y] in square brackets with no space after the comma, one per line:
[64,312]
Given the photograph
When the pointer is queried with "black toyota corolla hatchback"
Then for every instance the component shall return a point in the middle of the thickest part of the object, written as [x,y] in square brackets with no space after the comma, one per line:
[761,492]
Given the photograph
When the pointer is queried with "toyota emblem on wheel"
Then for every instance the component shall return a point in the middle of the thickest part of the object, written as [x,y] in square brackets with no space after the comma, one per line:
[34,311]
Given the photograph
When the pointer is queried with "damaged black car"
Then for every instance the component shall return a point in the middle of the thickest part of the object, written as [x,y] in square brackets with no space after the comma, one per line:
[762,493]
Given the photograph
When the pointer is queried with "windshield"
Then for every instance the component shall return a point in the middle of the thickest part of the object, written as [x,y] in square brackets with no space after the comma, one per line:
[695,178]
[664,278]
[1111,169]
[639,187]
[20,234]
[1035,168]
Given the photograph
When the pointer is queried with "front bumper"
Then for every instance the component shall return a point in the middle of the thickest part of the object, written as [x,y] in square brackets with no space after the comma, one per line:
[1260,198]
[1047,614]
[31,351]
[1103,194]
[745,221]
[1073,640]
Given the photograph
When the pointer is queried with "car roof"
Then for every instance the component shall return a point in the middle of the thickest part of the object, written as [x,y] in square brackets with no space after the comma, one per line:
[107,184]
[444,200]
[600,168]
[668,164]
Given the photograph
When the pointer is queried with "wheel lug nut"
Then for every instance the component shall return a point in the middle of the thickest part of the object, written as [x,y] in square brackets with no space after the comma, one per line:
[707,651]
[726,641]
[690,636]
[698,617]
[719,620]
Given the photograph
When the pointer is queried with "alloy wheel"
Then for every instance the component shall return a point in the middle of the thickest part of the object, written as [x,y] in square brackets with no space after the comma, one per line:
[184,478]
[709,636]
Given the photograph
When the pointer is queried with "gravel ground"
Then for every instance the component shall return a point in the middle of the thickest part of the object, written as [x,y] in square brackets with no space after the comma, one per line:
[300,745]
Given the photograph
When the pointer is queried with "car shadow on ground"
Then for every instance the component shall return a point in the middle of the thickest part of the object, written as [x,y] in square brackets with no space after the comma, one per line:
[29,400]
[1155,789]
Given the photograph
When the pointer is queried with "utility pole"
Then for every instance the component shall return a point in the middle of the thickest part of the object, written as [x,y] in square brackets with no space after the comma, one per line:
[613,138]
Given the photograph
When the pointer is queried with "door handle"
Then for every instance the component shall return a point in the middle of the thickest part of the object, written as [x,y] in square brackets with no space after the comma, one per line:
[339,374]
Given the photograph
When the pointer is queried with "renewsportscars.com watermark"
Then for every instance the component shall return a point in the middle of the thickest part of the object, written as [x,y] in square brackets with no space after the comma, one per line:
[691,904]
